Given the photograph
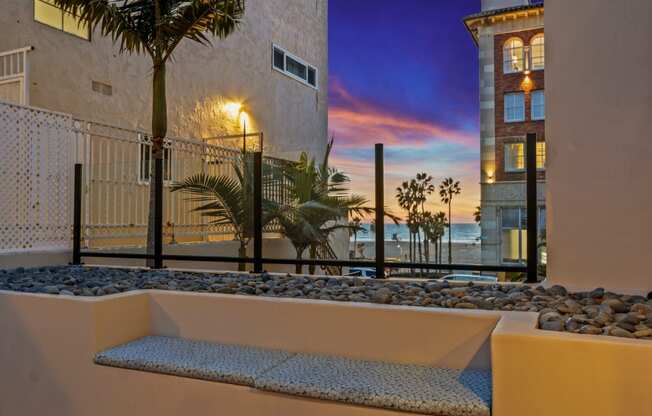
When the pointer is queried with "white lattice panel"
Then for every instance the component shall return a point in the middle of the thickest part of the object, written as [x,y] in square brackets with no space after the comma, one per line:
[36,165]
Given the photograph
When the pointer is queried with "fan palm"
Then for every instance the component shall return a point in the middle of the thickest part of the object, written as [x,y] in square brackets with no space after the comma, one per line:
[447,190]
[156,28]
[320,202]
[227,200]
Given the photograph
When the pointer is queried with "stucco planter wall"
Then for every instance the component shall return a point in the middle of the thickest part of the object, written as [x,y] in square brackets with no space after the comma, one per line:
[48,344]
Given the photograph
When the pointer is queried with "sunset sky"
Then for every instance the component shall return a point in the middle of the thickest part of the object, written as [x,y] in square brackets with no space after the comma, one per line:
[405,74]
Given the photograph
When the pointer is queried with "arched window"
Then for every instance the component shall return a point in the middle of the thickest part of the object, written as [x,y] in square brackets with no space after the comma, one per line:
[537,52]
[513,57]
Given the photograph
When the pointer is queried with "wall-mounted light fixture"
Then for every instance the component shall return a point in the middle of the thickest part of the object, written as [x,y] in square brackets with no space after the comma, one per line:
[527,84]
[236,111]
[490,177]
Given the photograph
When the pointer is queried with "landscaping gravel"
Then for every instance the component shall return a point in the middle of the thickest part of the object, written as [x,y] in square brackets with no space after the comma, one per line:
[598,312]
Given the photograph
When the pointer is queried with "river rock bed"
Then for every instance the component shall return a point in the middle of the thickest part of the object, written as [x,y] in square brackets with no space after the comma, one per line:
[597,312]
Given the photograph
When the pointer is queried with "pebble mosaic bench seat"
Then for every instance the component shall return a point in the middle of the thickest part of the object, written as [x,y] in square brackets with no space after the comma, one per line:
[408,388]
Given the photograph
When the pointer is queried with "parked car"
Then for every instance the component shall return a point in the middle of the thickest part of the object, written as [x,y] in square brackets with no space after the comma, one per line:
[470,278]
[363,272]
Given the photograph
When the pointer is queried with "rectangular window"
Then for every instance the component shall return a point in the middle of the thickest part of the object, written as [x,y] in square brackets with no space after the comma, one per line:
[293,67]
[296,68]
[47,13]
[538,105]
[541,155]
[279,59]
[515,156]
[514,107]
[514,232]
[145,168]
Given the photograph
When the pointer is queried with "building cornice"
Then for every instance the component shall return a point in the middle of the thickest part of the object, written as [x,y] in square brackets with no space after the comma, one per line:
[490,17]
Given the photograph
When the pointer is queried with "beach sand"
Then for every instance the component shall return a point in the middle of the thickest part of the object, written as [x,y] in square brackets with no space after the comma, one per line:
[463,253]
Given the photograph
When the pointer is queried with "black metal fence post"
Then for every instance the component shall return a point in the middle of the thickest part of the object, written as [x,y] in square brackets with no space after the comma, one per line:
[77,213]
[258,212]
[158,213]
[380,212]
[532,220]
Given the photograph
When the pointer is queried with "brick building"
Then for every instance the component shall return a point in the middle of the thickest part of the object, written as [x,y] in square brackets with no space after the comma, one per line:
[510,37]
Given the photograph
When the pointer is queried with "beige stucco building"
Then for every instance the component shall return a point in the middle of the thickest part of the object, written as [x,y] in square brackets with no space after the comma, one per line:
[71,71]
[81,101]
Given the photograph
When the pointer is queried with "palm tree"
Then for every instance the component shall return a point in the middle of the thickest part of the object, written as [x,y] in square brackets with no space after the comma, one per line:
[355,228]
[156,28]
[412,197]
[447,190]
[434,227]
[477,214]
[320,204]
[440,219]
[227,200]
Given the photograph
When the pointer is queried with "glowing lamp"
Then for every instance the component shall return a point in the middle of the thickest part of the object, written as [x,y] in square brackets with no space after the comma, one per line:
[233,109]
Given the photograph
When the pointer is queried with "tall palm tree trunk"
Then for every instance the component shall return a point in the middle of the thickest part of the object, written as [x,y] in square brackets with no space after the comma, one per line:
[450,234]
[159,130]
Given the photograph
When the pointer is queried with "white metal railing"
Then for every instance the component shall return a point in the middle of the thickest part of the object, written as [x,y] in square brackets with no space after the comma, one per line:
[14,68]
[116,198]
[39,149]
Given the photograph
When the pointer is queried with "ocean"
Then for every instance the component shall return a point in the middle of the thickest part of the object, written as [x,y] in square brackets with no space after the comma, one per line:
[462,233]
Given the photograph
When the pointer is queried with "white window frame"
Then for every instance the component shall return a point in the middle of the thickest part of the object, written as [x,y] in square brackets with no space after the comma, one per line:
[17,73]
[508,168]
[542,58]
[505,107]
[62,28]
[508,63]
[522,226]
[285,72]
[144,141]
[535,116]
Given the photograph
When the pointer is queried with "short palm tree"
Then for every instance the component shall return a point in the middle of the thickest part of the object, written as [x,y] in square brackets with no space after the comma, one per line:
[447,190]
[156,28]
[320,204]
[227,200]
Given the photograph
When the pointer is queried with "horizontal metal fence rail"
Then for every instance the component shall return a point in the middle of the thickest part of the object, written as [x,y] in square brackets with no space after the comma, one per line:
[309,262]
[380,264]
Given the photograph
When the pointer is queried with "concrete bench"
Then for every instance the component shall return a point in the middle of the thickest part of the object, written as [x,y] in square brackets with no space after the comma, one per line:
[409,388]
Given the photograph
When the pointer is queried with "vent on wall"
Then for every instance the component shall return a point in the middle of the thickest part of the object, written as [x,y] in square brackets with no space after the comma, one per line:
[102,88]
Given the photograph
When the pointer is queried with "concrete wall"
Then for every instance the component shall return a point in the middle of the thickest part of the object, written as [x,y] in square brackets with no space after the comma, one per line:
[545,373]
[201,79]
[48,344]
[599,108]
[46,352]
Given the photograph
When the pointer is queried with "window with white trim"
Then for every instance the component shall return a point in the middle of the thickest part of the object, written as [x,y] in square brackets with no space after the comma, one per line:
[515,156]
[514,107]
[145,160]
[294,67]
[514,232]
[538,104]
[537,52]
[46,12]
[513,56]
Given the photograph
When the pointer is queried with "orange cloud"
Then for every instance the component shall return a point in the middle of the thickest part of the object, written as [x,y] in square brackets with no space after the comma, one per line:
[362,124]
